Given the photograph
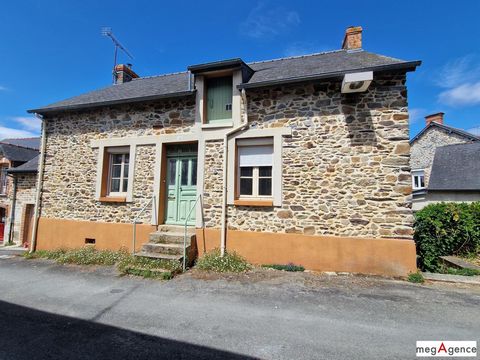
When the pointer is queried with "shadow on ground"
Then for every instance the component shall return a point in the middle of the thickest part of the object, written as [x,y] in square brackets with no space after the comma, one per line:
[27,333]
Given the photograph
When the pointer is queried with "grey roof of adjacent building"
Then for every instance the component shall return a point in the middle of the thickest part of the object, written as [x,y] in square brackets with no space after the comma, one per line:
[31,143]
[30,166]
[456,168]
[17,153]
[448,129]
[267,73]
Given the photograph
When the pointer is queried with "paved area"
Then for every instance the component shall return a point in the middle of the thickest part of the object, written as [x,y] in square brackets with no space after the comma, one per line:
[49,311]
[475,280]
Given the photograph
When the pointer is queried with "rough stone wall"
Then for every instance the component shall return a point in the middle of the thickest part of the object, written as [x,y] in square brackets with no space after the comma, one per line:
[71,162]
[345,169]
[26,186]
[212,190]
[423,149]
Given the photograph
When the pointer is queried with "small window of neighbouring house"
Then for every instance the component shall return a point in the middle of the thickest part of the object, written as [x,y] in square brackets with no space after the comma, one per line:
[418,179]
[255,171]
[3,180]
[219,95]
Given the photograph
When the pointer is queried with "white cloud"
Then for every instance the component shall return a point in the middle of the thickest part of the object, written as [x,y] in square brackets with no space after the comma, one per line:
[20,127]
[474,130]
[6,133]
[3,88]
[416,114]
[29,123]
[461,80]
[461,95]
[263,22]
[303,48]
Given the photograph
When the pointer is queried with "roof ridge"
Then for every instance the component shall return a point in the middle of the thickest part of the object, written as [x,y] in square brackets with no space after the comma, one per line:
[297,56]
[464,132]
[161,75]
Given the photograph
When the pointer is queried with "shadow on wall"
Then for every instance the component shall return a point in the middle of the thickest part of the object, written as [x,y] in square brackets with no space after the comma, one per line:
[27,333]
[361,130]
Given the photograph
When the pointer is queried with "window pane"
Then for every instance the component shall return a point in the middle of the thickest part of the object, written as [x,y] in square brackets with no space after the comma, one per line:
[172,170]
[125,185]
[127,158]
[184,174]
[422,181]
[246,186]
[265,171]
[246,171]
[115,185]
[265,186]
[125,171]
[194,172]
[116,158]
[116,171]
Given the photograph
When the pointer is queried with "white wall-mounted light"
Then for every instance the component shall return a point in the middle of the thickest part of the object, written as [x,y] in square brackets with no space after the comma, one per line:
[357,82]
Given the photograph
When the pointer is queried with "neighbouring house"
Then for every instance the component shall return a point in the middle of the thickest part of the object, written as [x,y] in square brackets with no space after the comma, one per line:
[17,190]
[423,149]
[300,159]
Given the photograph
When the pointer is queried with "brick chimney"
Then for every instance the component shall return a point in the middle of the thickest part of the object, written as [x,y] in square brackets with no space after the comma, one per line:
[123,73]
[438,118]
[353,38]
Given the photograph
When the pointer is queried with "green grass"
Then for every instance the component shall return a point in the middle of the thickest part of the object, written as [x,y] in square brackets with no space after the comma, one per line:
[125,262]
[463,272]
[287,267]
[416,277]
[230,262]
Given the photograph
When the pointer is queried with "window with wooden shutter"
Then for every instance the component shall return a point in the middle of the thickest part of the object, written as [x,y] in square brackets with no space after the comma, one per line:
[219,99]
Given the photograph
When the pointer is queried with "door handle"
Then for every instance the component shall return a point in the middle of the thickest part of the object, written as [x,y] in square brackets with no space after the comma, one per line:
[171,198]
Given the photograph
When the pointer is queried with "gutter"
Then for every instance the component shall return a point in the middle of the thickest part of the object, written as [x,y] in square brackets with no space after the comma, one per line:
[48,110]
[408,66]
[242,126]
[38,194]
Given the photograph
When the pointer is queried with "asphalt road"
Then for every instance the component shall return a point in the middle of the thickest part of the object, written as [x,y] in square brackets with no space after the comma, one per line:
[49,311]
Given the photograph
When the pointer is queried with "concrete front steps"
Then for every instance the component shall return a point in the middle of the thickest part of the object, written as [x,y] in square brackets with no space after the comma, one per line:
[167,244]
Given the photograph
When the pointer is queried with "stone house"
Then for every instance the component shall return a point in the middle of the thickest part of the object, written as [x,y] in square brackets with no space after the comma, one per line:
[300,159]
[17,190]
[424,145]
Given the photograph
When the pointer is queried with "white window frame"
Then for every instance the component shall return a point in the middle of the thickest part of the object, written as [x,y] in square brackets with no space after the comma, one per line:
[420,174]
[123,164]
[255,170]
[3,180]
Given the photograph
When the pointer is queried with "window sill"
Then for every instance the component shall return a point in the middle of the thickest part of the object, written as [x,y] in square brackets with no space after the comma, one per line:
[243,202]
[218,125]
[111,199]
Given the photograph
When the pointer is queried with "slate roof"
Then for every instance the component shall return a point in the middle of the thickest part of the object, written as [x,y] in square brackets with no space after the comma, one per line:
[292,69]
[456,167]
[17,153]
[31,143]
[30,166]
[448,129]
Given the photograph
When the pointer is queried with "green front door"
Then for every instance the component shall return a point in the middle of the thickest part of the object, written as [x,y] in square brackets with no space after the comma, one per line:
[181,188]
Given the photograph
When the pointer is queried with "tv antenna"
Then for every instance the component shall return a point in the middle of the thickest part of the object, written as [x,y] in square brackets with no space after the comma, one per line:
[107,31]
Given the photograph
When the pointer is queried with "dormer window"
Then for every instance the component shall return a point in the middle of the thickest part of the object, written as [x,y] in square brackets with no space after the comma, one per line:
[218,100]
[418,179]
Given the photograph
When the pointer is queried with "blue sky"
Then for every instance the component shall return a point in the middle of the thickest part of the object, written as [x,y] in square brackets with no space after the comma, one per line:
[51,50]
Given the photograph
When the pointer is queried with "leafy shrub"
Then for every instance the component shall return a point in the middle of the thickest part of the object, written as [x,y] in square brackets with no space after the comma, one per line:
[446,229]
[89,256]
[463,272]
[416,277]
[146,267]
[230,262]
[288,267]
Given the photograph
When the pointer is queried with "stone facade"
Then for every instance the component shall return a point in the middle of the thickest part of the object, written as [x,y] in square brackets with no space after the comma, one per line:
[26,189]
[345,169]
[423,148]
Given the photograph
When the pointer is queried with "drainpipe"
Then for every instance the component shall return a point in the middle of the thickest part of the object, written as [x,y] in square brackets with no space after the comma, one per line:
[12,212]
[33,243]
[242,126]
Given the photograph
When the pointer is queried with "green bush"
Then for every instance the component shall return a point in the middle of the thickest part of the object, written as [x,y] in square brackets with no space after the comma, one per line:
[416,277]
[230,262]
[288,267]
[463,272]
[446,229]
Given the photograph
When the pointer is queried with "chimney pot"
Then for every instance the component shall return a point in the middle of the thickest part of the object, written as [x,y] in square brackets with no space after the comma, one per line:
[438,118]
[124,73]
[353,38]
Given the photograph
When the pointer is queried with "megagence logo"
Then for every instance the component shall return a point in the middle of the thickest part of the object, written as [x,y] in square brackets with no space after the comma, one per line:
[446,349]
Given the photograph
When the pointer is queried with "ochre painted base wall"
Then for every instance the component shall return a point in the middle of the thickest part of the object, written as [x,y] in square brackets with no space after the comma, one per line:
[393,257]
[59,233]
